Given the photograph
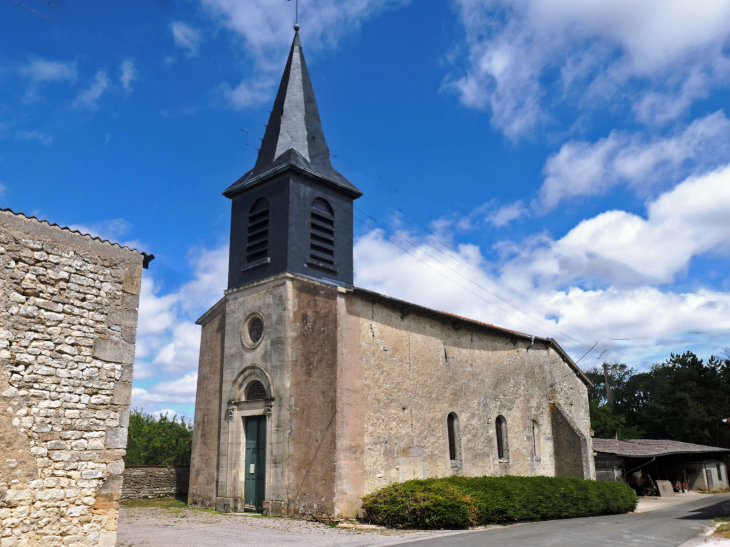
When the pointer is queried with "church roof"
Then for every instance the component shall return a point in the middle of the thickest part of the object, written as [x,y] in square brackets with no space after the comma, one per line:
[294,136]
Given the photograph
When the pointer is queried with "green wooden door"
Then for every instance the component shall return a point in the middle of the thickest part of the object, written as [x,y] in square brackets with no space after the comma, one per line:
[255,461]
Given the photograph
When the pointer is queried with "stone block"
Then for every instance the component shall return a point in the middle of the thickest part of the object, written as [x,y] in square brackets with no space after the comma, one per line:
[130,301]
[113,351]
[122,394]
[124,318]
[107,539]
[116,437]
[127,373]
[132,279]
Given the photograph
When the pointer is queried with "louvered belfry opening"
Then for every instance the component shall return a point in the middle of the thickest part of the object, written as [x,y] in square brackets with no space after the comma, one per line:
[257,247]
[322,235]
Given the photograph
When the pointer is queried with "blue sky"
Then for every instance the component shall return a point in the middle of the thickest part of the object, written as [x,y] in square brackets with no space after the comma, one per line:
[559,167]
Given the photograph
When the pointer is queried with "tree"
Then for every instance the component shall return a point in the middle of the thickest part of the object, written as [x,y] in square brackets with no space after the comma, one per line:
[158,441]
[684,399]
[608,425]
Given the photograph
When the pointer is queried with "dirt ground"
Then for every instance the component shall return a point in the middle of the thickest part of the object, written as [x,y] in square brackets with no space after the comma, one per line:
[176,526]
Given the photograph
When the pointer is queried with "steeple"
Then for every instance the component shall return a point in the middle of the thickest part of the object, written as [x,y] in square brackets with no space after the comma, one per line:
[293,212]
[294,136]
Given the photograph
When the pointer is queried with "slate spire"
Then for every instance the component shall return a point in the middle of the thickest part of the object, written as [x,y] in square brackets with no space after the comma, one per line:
[294,136]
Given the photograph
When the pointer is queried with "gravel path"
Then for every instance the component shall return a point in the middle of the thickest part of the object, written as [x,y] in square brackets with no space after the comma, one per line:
[151,526]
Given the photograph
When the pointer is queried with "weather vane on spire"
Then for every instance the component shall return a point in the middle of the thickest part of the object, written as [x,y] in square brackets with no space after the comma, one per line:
[296,20]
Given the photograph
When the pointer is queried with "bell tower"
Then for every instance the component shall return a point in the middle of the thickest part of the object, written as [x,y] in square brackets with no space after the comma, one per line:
[293,211]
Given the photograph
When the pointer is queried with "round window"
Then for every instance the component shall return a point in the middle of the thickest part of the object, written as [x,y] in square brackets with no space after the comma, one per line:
[255,329]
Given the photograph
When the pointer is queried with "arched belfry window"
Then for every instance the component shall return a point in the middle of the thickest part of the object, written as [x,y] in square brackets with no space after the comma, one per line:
[257,246]
[256,391]
[322,233]
[502,439]
[454,433]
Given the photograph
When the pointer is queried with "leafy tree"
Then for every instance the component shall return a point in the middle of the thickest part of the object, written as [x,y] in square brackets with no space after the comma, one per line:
[607,425]
[684,398]
[158,441]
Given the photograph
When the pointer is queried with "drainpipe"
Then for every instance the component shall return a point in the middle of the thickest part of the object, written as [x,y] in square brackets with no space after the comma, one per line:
[532,343]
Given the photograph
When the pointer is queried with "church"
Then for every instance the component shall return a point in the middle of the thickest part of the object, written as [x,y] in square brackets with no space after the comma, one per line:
[313,392]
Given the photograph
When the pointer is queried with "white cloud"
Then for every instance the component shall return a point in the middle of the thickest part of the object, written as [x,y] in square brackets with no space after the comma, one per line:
[248,94]
[604,281]
[168,341]
[179,391]
[89,97]
[507,214]
[41,70]
[670,53]
[3,189]
[106,229]
[128,73]
[186,37]
[43,138]
[586,169]
[266,34]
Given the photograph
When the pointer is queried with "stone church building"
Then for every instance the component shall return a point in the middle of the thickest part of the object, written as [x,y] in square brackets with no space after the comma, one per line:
[312,392]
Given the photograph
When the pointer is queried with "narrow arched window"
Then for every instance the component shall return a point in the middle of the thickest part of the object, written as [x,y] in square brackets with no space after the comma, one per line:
[502,446]
[535,439]
[257,245]
[256,391]
[454,433]
[322,233]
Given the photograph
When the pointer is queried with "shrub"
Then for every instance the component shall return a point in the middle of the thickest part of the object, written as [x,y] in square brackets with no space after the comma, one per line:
[158,441]
[461,502]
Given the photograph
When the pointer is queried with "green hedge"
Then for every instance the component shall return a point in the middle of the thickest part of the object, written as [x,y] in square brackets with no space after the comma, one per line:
[462,502]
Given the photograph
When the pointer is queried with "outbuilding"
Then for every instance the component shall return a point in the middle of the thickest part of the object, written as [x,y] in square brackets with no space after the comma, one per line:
[643,462]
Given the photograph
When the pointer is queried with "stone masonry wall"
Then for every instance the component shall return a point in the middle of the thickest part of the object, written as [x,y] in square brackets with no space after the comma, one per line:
[68,318]
[143,482]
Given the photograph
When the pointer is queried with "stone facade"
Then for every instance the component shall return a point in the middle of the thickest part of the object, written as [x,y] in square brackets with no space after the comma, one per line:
[68,319]
[359,388]
[143,482]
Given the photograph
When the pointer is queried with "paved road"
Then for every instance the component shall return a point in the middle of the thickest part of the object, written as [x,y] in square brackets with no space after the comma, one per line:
[665,527]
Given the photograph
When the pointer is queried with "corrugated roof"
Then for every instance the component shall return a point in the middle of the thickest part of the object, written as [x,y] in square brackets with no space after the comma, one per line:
[69,230]
[647,448]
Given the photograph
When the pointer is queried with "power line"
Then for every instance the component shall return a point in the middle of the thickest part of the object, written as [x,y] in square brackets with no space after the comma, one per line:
[388,238]
[554,329]
[34,11]
[467,266]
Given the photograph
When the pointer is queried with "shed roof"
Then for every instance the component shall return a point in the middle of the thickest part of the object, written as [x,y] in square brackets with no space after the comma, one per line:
[647,448]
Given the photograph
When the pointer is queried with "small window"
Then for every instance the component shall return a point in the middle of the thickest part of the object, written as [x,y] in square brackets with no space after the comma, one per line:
[502,447]
[322,233]
[256,329]
[257,247]
[719,471]
[536,439]
[454,433]
[256,391]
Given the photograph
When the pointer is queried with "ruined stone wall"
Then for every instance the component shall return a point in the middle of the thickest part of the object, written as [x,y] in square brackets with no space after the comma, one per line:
[68,317]
[417,368]
[143,482]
